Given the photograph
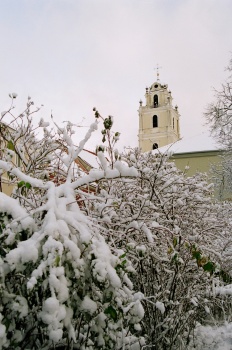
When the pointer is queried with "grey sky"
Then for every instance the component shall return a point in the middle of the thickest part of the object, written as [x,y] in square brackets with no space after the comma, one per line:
[71,55]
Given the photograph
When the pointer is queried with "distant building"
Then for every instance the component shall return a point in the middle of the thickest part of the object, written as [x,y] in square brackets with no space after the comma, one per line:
[6,184]
[158,119]
[159,130]
[201,153]
[198,153]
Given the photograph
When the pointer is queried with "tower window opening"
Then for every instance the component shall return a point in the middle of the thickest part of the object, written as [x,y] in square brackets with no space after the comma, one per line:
[155,121]
[156,100]
[155,146]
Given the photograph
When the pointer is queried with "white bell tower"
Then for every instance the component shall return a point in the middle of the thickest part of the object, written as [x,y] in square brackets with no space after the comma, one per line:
[158,120]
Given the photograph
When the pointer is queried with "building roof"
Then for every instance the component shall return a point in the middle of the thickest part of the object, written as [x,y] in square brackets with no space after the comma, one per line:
[201,142]
[89,159]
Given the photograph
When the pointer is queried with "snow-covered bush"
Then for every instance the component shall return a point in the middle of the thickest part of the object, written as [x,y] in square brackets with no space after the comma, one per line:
[176,237]
[61,285]
[142,257]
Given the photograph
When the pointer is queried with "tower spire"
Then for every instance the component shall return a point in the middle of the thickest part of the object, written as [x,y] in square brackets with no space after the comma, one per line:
[157,72]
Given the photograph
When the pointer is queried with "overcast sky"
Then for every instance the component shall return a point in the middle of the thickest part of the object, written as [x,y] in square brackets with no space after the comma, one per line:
[72,55]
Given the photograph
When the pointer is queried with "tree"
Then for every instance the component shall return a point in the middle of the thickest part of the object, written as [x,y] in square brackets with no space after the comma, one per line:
[219,118]
[60,284]
[219,113]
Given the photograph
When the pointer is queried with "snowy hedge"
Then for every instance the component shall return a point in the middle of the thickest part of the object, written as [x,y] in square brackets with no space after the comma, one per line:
[61,284]
[133,262]
[179,241]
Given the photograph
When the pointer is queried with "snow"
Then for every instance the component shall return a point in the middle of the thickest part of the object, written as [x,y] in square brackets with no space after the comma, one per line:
[125,170]
[20,305]
[73,248]
[141,248]
[56,335]
[43,124]
[147,232]
[160,306]
[225,290]
[31,283]
[51,305]
[2,330]
[213,337]
[103,160]
[11,206]
[92,128]
[138,296]
[137,327]
[102,264]
[34,182]
[194,301]
[138,310]
[51,314]
[3,339]
[155,224]
[25,252]
[88,305]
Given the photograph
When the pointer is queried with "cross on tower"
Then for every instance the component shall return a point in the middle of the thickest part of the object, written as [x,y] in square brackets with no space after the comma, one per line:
[157,71]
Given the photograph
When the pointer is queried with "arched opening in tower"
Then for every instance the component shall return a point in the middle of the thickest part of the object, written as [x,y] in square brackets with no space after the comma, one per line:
[155,121]
[156,101]
[155,146]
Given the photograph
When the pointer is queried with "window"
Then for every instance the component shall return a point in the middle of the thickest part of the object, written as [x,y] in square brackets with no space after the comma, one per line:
[156,101]
[155,146]
[155,121]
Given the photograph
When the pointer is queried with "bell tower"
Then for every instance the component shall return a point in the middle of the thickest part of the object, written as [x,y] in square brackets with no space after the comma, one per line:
[158,120]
